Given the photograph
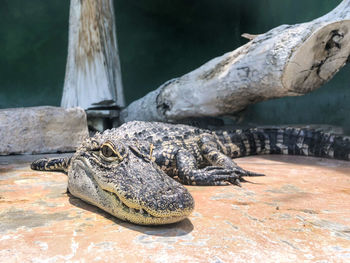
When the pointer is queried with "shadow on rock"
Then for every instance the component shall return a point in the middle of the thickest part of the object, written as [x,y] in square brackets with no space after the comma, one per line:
[181,228]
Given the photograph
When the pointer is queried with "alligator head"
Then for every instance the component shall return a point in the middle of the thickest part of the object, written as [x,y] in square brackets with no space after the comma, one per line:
[115,176]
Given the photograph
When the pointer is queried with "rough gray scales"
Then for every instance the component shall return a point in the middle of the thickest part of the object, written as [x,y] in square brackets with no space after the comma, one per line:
[130,171]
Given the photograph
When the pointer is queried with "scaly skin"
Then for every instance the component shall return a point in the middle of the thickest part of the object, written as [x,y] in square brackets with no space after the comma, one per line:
[129,171]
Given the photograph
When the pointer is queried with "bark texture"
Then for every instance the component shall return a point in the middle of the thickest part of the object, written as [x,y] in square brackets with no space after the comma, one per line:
[93,76]
[289,60]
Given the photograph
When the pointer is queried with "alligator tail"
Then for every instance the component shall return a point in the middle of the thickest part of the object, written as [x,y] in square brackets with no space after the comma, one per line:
[308,142]
[52,164]
[291,141]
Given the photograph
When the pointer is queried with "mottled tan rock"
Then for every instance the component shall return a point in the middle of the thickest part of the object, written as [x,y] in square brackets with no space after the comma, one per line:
[41,130]
[298,212]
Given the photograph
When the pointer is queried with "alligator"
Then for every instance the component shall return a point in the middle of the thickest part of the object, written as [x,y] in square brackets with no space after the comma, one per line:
[136,172]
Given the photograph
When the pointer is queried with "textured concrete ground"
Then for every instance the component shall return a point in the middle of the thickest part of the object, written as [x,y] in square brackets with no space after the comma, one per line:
[299,212]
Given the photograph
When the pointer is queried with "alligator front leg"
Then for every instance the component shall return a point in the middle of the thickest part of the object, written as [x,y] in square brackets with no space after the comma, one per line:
[189,173]
[218,174]
[216,158]
[223,169]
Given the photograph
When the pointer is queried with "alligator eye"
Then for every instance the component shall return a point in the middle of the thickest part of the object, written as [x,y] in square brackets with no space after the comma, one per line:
[107,151]
[111,153]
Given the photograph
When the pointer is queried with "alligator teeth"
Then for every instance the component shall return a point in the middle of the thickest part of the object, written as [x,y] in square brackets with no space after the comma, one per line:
[141,211]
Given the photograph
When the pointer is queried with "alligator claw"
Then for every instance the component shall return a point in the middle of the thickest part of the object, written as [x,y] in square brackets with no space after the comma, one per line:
[240,171]
[237,176]
[237,182]
[217,175]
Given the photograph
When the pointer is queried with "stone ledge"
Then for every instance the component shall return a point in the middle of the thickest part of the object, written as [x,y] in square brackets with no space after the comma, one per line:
[43,129]
[296,213]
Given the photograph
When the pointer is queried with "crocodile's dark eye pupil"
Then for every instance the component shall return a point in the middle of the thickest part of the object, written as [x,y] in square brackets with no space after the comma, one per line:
[106,151]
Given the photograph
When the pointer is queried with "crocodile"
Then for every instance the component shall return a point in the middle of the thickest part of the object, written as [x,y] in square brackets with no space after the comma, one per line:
[136,172]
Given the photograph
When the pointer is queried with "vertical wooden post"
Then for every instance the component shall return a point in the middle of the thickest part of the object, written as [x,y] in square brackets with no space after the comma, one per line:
[93,76]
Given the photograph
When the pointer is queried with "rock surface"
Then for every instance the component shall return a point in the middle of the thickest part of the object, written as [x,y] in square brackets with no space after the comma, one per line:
[41,130]
[298,212]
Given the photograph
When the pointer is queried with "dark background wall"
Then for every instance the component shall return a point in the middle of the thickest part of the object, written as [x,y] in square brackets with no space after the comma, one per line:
[33,50]
[159,40]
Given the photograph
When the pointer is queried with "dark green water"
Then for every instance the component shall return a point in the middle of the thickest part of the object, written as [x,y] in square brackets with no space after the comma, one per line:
[159,40]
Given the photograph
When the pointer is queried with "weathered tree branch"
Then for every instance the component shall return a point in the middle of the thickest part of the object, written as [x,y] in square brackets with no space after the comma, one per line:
[93,76]
[289,60]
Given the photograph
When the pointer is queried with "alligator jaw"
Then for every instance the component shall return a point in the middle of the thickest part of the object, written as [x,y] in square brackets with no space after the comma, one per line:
[141,216]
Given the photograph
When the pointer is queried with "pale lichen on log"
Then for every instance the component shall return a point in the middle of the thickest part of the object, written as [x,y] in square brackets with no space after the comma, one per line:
[289,60]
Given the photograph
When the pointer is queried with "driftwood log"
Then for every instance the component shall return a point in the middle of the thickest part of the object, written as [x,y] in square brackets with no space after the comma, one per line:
[289,60]
[93,76]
